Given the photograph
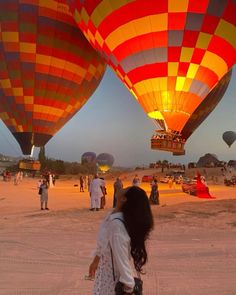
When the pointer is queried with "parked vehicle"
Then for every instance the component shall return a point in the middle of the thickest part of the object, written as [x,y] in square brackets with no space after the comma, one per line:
[186,180]
[192,165]
[147,178]
[165,179]
[190,187]
[180,179]
[231,181]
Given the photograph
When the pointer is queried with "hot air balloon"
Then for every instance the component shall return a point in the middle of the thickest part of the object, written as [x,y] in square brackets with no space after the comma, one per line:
[104,162]
[170,54]
[88,157]
[48,70]
[229,137]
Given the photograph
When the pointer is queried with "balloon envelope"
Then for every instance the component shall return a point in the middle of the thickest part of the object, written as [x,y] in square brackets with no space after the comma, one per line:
[104,161]
[229,137]
[88,157]
[48,70]
[170,55]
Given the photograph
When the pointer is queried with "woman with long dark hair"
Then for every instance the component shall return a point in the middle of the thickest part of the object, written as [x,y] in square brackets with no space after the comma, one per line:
[122,239]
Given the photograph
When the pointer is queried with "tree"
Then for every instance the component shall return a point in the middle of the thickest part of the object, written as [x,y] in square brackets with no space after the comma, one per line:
[42,157]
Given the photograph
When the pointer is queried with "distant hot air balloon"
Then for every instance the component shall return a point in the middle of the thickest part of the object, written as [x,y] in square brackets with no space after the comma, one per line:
[104,162]
[48,70]
[170,54]
[229,137]
[88,157]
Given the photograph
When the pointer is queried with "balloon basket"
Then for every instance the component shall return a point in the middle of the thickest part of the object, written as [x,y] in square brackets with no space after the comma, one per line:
[168,145]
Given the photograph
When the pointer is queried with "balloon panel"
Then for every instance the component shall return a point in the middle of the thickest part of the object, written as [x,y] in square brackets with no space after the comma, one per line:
[208,105]
[169,55]
[105,161]
[88,157]
[48,70]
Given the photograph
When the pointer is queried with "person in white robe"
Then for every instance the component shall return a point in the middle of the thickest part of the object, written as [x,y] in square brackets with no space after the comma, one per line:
[96,193]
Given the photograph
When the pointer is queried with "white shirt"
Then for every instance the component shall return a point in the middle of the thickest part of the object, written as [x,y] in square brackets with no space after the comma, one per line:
[95,187]
[114,234]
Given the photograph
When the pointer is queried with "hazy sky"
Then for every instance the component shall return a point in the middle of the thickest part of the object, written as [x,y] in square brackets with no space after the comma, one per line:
[112,121]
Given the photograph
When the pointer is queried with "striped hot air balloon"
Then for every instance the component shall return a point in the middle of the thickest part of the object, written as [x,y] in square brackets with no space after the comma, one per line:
[169,53]
[48,70]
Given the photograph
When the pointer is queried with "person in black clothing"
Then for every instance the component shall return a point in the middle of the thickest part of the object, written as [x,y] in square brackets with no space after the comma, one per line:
[81,181]
[154,196]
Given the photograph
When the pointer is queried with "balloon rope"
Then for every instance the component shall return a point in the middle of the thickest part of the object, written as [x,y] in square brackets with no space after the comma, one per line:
[32,152]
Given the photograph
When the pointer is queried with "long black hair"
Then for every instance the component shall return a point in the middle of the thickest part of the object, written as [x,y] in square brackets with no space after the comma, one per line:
[138,222]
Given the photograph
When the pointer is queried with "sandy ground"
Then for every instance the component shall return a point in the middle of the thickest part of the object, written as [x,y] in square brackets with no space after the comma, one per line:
[192,250]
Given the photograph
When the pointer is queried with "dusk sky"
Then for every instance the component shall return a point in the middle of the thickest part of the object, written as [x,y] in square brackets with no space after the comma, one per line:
[112,121]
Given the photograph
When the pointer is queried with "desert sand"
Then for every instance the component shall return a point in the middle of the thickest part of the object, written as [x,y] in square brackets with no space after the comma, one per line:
[192,250]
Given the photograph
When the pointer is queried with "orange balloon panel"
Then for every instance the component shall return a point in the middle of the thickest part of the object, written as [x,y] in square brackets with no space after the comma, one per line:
[207,106]
[169,53]
[48,70]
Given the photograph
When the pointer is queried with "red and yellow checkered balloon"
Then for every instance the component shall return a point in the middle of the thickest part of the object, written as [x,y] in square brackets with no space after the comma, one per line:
[48,70]
[169,53]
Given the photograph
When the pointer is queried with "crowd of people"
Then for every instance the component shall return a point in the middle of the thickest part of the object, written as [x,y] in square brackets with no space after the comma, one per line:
[17,176]
[6,175]
[174,138]
[96,187]
[98,192]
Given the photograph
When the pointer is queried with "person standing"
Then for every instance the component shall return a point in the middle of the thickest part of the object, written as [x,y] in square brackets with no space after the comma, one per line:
[44,195]
[40,182]
[121,241]
[95,193]
[81,182]
[21,175]
[17,178]
[136,181]
[154,196]
[171,181]
[85,182]
[47,177]
[54,179]
[118,186]
[89,181]
[104,193]
[50,180]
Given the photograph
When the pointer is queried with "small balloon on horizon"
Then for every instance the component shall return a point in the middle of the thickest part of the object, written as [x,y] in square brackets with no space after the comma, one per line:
[229,137]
